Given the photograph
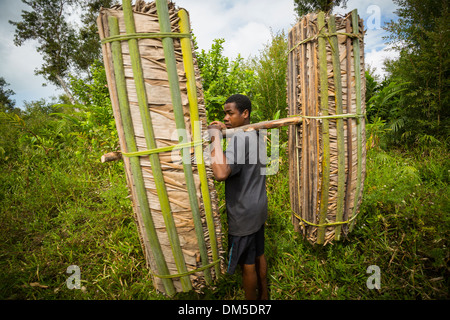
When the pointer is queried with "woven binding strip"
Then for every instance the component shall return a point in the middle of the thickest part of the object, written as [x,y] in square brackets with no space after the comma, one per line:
[146,36]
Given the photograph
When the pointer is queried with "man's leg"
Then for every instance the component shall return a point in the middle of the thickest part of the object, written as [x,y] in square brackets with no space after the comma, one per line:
[261,273]
[250,281]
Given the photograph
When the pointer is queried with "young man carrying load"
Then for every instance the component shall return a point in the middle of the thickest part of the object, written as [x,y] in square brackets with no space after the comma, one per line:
[241,167]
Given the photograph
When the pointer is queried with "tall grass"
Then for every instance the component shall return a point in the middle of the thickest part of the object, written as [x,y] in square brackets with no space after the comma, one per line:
[57,212]
[403,228]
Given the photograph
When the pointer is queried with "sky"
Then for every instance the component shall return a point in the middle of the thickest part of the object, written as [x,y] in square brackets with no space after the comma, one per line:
[246,26]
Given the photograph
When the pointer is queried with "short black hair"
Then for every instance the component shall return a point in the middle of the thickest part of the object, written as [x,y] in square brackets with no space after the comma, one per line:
[242,102]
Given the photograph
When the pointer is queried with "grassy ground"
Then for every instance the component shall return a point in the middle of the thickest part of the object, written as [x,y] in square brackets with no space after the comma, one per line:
[56,213]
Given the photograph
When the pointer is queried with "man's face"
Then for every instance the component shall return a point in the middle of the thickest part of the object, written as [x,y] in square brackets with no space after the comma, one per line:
[233,118]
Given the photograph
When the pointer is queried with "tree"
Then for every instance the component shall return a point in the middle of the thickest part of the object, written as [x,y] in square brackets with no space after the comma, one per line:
[222,78]
[88,49]
[372,86]
[271,69]
[303,7]
[6,104]
[62,45]
[421,36]
[47,24]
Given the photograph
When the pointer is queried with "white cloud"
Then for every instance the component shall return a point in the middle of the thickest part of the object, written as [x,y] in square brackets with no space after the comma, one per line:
[375,59]
[245,25]
[387,8]
[248,40]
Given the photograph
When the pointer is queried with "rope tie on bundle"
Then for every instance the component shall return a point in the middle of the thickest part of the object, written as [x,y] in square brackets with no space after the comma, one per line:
[163,149]
[142,35]
[325,35]
[328,224]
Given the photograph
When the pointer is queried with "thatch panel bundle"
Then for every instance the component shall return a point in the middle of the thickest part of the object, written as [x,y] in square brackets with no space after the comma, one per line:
[327,150]
[159,111]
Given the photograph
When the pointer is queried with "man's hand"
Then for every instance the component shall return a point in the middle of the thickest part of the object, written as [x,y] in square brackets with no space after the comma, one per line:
[215,129]
[221,169]
[217,125]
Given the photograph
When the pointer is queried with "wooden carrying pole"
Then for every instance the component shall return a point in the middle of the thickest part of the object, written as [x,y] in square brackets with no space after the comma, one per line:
[270,124]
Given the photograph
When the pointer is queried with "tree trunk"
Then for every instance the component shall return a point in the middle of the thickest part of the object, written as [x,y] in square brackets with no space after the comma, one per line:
[66,89]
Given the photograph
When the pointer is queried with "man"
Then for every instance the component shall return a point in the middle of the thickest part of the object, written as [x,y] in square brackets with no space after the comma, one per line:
[245,194]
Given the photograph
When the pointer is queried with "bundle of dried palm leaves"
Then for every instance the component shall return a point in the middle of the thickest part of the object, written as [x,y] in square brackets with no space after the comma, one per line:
[159,111]
[326,86]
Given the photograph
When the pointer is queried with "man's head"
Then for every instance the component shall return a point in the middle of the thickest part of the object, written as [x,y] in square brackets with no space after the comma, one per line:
[237,111]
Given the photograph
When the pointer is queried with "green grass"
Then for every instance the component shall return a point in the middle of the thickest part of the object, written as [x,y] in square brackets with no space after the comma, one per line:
[58,212]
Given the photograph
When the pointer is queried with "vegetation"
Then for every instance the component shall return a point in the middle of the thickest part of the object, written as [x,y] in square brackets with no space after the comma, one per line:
[270,68]
[5,96]
[62,207]
[303,7]
[222,78]
[421,36]
[62,46]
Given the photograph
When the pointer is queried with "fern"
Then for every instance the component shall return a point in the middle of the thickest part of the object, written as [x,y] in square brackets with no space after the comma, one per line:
[11,119]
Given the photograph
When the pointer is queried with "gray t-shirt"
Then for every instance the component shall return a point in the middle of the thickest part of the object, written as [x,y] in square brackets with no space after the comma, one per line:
[245,188]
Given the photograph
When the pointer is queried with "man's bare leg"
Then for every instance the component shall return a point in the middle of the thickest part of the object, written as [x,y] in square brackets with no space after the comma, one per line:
[261,273]
[250,281]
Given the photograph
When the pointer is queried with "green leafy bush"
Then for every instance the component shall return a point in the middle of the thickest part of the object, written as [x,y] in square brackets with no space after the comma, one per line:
[222,78]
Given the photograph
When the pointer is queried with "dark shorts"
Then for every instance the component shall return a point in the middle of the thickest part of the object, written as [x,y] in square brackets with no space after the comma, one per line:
[245,249]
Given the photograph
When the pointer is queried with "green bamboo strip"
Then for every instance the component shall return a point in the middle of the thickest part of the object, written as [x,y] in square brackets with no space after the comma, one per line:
[134,162]
[324,35]
[339,124]
[163,149]
[172,72]
[306,164]
[293,136]
[357,60]
[323,75]
[349,123]
[205,267]
[144,35]
[151,143]
[188,59]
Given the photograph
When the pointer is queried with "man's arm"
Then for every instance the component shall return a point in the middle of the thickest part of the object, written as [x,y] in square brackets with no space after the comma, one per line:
[220,168]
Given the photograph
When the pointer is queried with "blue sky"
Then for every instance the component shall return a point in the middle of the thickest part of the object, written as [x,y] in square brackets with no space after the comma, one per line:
[245,25]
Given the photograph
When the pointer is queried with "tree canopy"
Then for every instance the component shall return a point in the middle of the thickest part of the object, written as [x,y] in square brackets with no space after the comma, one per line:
[421,36]
[303,7]
[6,103]
[62,45]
